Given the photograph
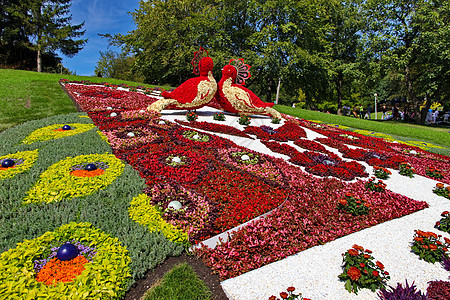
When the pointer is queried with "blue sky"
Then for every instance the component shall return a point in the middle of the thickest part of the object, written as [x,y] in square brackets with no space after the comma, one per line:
[100,16]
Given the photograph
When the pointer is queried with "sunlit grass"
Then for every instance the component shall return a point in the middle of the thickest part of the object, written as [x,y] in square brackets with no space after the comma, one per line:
[180,283]
[26,96]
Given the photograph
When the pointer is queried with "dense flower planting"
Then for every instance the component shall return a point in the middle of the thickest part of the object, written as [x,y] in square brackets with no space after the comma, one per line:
[213,127]
[107,267]
[376,186]
[441,190]
[381,173]
[238,184]
[360,271]
[56,132]
[67,179]
[353,205]
[444,223]
[23,161]
[429,247]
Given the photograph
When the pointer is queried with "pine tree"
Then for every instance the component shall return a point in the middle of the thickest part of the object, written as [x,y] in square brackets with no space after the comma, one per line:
[49,25]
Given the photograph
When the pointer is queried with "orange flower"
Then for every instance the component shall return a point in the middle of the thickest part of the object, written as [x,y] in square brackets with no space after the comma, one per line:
[425,246]
[375,273]
[368,251]
[349,195]
[448,188]
[366,256]
[353,252]
[431,169]
[342,201]
[421,233]
[447,240]
[433,247]
[357,201]
[418,239]
[284,295]
[356,247]
[445,249]
[354,273]
[445,213]
[56,270]
[380,265]
[291,289]
[439,185]
[386,273]
[85,173]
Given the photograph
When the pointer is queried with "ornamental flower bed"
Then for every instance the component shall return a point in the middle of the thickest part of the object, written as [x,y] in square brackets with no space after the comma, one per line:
[353,205]
[376,186]
[381,173]
[406,170]
[429,246]
[226,189]
[441,190]
[361,272]
[444,223]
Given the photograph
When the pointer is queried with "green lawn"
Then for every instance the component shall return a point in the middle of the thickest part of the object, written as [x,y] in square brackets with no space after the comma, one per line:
[26,96]
[180,283]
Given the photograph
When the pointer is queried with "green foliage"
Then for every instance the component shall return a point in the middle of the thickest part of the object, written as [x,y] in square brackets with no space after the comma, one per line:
[429,246]
[376,186]
[359,271]
[353,205]
[244,120]
[444,223]
[275,120]
[219,116]
[117,65]
[406,170]
[381,173]
[440,190]
[180,283]
[434,173]
[191,116]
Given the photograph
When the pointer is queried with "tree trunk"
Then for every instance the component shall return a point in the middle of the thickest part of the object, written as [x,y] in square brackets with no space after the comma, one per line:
[339,81]
[39,60]
[412,97]
[278,90]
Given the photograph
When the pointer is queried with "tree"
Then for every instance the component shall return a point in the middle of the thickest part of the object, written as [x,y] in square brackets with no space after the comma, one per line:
[117,65]
[412,38]
[47,24]
[343,39]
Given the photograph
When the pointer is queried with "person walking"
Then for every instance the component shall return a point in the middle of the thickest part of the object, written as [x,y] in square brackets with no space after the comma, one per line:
[383,117]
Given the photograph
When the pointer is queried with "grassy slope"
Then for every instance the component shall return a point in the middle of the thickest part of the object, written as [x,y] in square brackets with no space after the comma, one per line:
[401,131]
[26,96]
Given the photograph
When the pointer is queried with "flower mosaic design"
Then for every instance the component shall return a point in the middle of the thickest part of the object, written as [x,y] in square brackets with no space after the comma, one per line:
[67,179]
[56,132]
[108,267]
[130,137]
[251,162]
[195,217]
[23,161]
[142,211]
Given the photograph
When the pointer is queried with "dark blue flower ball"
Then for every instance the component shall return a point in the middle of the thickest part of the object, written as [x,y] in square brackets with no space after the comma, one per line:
[8,163]
[90,167]
[67,252]
[66,127]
